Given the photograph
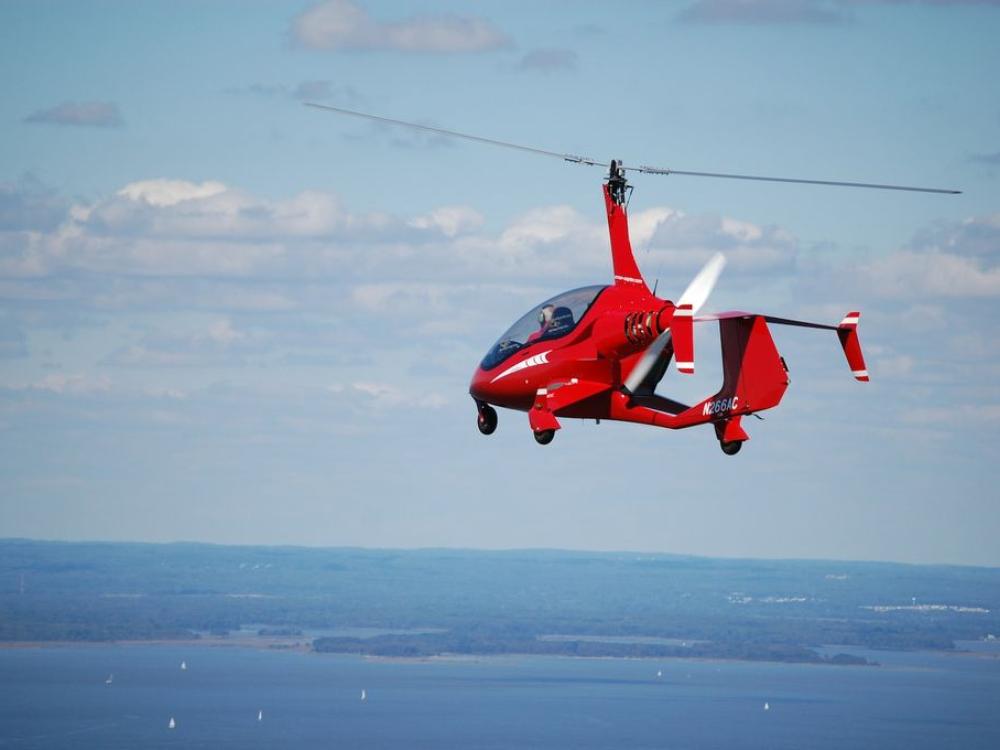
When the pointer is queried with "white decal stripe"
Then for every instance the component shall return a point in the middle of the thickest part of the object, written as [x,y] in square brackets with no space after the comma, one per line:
[685,365]
[860,373]
[683,312]
[538,359]
[850,321]
[629,279]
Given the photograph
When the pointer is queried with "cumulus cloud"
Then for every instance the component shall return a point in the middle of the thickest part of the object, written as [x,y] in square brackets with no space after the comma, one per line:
[175,228]
[686,241]
[451,220]
[82,114]
[949,259]
[548,60]
[338,25]
[169,192]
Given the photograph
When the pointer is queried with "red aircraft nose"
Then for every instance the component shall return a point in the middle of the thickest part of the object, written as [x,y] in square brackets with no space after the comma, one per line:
[511,392]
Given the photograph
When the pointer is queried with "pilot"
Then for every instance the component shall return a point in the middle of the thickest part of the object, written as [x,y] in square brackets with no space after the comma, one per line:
[544,321]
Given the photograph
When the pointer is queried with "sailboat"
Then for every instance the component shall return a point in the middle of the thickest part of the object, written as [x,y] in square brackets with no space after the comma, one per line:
[111,678]
[767,706]
[659,673]
[184,665]
[364,695]
[260,715]
[172,724]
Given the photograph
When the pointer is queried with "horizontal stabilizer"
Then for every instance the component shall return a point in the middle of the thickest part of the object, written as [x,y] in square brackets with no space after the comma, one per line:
[847,332]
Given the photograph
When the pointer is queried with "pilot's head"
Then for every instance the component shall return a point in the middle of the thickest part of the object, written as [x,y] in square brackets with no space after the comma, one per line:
[545,316]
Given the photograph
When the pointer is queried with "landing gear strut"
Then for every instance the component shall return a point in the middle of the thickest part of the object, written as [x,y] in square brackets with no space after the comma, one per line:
[730,447]
[544,437]
[487,421]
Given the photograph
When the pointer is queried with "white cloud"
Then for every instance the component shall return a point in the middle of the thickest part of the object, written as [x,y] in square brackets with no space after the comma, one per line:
[450,220]
[170,192]
[918,274]
[344,25]
[679,240]
[172,229]
[222,332]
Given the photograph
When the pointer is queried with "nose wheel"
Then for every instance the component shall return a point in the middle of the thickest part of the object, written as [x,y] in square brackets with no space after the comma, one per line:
[487,420]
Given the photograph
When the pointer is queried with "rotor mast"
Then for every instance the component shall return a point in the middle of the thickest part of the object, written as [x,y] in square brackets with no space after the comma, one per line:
[618,187]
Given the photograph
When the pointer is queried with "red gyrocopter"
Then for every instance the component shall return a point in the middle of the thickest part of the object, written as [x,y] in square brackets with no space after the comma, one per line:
[599,352]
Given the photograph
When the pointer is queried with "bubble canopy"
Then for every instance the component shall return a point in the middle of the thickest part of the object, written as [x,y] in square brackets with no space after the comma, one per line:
[552,319]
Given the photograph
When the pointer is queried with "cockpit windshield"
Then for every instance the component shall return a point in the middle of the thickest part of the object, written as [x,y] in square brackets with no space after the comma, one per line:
[552,319]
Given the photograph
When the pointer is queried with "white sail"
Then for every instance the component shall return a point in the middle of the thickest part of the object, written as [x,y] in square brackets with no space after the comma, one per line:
[767,706]
[364,695]
[172,724]
[659,673]
[260,715]
[184,665]
[111,678]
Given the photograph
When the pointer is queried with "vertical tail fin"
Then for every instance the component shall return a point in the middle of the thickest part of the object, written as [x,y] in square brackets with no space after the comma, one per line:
[847,332]
[682,333]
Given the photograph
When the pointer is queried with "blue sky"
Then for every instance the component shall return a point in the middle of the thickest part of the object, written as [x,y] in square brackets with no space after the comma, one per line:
[227,317]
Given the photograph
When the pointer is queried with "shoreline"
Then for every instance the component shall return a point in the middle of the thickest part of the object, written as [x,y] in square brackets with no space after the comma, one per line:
[296,644]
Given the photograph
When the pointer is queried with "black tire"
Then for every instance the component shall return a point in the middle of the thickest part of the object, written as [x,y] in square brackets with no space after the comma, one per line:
[732,447]
[487,421]
[544,437]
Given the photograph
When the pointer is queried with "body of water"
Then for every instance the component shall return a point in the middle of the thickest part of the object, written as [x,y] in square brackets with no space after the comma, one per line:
[57,697]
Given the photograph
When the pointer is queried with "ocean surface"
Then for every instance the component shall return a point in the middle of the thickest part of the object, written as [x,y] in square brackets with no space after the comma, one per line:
[58,697]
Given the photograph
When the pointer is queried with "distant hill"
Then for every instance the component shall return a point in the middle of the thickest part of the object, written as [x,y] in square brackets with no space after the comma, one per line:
[463,601]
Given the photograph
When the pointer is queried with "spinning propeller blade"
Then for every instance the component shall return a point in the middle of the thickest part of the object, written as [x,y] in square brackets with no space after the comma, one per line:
[695,295]
[644,169]
[645,364]
[701,285]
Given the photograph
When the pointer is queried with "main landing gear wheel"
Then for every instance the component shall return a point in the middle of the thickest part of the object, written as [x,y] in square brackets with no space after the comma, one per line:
[544,437]
[487,421]
[731,447]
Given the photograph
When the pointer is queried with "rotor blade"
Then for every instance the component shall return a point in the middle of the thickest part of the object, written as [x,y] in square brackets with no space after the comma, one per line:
[701,285]
[646,362]
[455,134]
[877,186]
[576,159]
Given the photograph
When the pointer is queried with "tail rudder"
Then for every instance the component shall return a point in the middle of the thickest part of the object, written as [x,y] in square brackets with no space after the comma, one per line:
[847,332]
[682,333]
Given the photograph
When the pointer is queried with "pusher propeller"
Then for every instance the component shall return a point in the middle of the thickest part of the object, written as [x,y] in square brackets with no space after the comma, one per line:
[689,303]
[644,169]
